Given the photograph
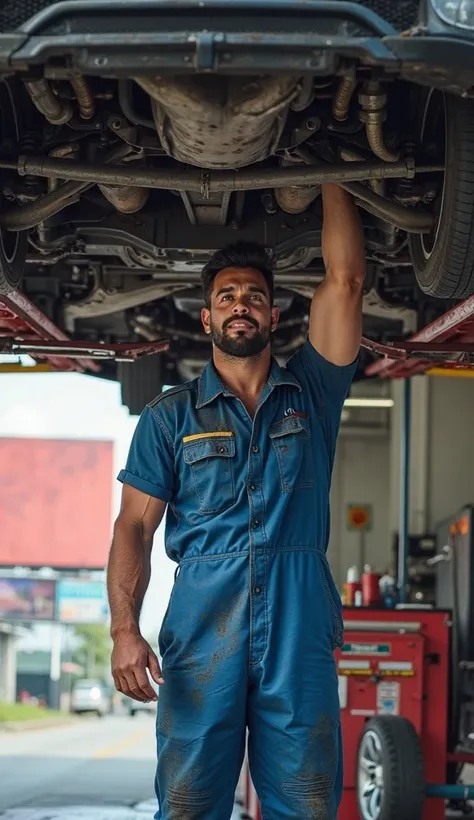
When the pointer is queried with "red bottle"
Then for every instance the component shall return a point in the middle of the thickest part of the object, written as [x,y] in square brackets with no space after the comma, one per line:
[371,588]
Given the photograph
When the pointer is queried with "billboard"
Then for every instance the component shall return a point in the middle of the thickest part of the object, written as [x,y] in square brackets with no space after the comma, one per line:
[82,602]
[55,503]
[27,599]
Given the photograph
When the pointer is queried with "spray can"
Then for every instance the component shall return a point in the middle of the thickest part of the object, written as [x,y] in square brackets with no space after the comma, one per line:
[351,587]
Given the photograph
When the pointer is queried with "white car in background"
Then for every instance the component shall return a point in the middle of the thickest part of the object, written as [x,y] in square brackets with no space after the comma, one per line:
[134,706]
[91,696]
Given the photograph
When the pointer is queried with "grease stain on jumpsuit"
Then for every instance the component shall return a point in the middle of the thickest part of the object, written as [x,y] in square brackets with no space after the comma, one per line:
[221,618]
[185,802]
[217,657]
[221,621]
[313,787]
[212,421]
[197,698]
[165,719]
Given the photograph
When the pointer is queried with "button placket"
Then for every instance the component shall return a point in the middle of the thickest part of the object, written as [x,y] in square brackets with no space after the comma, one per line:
[257,539]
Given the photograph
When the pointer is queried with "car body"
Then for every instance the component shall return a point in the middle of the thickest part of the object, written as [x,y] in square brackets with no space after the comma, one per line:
[91,696]
[137,138]
[134,707]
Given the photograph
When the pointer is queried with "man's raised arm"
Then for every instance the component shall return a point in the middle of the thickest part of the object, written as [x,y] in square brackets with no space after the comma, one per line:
[335,326]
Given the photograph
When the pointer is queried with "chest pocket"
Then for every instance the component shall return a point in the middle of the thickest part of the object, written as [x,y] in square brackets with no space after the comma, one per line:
[210,459]
[291,441]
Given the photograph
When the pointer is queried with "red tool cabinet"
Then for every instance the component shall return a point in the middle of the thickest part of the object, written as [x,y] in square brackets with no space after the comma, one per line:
[392,662]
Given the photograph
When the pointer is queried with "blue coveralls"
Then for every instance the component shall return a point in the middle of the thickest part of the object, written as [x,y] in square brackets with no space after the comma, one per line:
[254,614]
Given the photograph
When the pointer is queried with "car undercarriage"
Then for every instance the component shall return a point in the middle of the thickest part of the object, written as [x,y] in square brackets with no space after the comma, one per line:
[137,138]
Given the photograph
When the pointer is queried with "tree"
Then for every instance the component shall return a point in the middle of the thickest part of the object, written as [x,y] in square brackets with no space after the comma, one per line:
[93,649]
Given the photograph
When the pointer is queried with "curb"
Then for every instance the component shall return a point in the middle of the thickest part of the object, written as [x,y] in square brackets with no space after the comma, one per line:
[34,725]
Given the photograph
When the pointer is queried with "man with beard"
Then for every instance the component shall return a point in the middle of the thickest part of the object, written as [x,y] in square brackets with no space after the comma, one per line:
[242,458]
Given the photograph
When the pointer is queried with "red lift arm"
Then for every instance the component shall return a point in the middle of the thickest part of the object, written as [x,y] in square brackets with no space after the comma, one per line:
[446,343]
[24,329]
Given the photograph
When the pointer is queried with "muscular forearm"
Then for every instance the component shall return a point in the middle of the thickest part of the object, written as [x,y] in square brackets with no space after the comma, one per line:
[336,310]
[343,238]
[128,576]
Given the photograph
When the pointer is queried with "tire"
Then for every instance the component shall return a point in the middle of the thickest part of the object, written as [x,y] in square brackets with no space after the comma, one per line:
[13,244]
[140,381]
[12,262]
[443,261]
[390,753]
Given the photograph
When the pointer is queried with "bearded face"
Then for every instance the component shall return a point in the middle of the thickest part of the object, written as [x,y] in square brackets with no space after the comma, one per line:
[241,318]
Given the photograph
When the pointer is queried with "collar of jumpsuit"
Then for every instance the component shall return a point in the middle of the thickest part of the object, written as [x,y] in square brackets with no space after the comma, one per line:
[210,386]
[254,603]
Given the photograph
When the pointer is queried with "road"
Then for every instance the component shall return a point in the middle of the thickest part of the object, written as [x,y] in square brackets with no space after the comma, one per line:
[91,770]
[95,769]
[106,766]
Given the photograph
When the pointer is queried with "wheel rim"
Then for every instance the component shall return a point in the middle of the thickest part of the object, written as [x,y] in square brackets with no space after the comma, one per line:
[434,109]
[370,779]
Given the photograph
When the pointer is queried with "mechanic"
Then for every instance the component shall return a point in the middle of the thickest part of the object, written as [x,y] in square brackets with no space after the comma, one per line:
[242,457]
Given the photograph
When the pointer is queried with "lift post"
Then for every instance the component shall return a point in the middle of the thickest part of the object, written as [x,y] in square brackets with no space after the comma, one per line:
[403,537]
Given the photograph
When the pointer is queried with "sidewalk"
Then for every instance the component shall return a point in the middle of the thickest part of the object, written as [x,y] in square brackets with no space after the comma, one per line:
[35,725]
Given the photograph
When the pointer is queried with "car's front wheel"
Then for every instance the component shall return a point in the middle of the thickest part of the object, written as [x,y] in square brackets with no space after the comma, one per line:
[13,244]
[443,260]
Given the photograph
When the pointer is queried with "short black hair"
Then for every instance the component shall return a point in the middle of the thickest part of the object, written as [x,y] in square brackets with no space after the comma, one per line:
[238,255]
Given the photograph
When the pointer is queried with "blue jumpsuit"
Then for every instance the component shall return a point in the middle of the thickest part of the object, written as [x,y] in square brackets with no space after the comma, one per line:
[254,615]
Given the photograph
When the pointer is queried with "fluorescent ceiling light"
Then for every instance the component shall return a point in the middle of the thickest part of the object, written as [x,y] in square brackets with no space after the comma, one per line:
[368,402]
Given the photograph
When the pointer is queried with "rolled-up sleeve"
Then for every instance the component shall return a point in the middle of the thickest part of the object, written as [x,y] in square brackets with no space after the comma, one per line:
[150,462]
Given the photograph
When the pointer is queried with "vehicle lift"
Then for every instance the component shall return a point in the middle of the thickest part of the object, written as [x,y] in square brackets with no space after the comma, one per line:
[445,344]
[26,330]
[420,661]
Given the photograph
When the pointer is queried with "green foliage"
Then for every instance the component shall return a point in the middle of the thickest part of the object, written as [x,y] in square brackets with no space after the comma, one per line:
[10,712]
[93,650]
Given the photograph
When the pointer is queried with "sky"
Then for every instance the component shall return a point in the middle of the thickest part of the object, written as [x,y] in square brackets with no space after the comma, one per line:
[70,405]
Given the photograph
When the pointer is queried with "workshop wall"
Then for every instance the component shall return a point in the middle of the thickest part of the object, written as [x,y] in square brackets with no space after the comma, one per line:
[361,476]
[451,446]
[441,450]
